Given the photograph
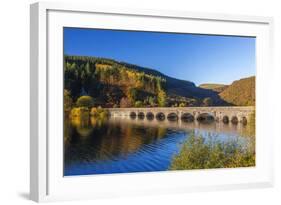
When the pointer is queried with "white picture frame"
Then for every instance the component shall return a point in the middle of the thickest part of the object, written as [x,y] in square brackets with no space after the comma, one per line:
[46,179]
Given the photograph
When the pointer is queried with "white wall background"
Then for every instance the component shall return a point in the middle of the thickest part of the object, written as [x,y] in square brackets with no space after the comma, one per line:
[14,101]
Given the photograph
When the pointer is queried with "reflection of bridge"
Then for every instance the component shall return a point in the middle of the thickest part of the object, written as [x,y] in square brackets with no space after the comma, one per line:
[219,127]
[224,114]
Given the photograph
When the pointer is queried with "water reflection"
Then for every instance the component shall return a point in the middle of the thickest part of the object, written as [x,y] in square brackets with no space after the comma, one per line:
[133,144]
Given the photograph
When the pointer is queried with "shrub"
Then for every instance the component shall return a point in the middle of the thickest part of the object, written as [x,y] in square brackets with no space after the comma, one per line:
[85,101]
[201,153]
[138,104]
[182,104]
[79,112]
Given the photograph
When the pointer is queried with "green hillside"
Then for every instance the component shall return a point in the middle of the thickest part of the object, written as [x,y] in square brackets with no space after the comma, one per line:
[215,87]
[240,92]
[110,83]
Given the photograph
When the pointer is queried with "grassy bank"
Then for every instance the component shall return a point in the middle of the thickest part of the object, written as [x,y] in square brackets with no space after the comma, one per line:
[204,153]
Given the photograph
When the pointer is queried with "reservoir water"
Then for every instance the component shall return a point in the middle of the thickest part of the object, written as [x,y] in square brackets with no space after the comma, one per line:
[124,145]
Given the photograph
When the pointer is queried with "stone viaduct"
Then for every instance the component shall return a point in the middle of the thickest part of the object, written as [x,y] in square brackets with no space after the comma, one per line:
[227,114]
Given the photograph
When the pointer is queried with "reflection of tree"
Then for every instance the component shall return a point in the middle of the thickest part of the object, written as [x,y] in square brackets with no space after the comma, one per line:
[161,132]
[89,139]
[82,125]
[250,129]
[122,139]
[97,122]
[67,131]
[97,139]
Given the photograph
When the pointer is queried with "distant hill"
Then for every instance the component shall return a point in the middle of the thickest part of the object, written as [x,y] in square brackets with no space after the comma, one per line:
[176,86]
[215,87]
[119,84]
[240,92]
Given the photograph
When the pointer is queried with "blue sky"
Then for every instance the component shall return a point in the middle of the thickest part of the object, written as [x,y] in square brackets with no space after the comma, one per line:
[193,57]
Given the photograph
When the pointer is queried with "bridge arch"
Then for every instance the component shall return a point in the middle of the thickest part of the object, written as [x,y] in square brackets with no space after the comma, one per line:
[244,120]
[149,116]
[172,116]
[133,115]
[160,116]
[225,119]
[187,117]
[234,120]
[205,117]
[141,115]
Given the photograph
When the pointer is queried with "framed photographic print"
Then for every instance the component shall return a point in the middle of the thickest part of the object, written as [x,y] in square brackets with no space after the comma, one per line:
[129,101]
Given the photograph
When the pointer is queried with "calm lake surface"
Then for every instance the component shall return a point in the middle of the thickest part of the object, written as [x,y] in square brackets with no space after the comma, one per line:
[122,145]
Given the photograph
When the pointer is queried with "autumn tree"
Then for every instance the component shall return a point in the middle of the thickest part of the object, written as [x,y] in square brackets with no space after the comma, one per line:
[85,101]
[161,98]
[151,101]
[125,102]
[67,100]
[108,81]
